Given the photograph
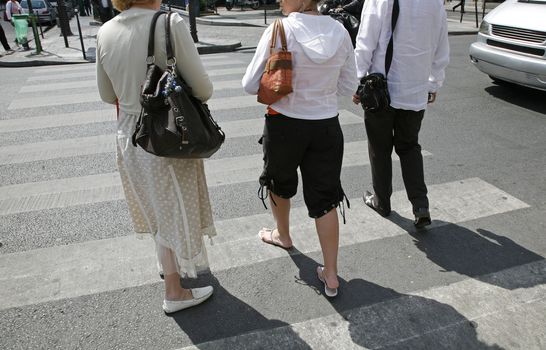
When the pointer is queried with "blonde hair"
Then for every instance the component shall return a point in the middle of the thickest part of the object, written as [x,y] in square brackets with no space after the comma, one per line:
[122,5]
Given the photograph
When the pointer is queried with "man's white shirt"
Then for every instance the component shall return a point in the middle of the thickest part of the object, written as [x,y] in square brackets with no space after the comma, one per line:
[420,52]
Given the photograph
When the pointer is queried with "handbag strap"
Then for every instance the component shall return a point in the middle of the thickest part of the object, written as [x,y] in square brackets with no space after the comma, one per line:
[151,58]
[171,60]
[394,19]
[278,29]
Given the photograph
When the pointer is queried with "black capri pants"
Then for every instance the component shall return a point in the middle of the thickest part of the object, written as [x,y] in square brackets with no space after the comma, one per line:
[316,147]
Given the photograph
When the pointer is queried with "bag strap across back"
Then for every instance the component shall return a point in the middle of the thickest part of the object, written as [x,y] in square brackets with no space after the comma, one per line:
[150,59]
[394,19]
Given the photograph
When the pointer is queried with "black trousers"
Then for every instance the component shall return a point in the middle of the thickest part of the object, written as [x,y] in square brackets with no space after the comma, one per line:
[396,128]
[4,40]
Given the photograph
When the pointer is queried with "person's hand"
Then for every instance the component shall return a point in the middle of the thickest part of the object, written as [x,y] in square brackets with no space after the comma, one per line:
[431,97]
[356,99]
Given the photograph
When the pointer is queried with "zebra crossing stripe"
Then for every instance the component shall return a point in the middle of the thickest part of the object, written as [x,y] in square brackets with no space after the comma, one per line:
[57,120]
[446,309]
[87,74]
[220,60]
[215,104]
[57,100]
[30,152]
[62,193]
[92,267]
[65,76]
[59,86]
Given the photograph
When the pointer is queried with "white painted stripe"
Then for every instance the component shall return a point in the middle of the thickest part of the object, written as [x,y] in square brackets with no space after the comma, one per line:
[57,120]
[226,71]
[223,103]
[227,84]
[92,267]
[56,100]
[59,86]
[90,189]
[87,74]
[30,152]
[226,63]
[66,76]
[65,68]
[506,318]
[215,104]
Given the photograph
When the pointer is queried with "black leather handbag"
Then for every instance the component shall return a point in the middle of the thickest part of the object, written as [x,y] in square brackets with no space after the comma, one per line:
[173,123]
[373,89]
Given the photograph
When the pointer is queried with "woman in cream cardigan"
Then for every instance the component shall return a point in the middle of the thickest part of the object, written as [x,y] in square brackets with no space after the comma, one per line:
[167,198]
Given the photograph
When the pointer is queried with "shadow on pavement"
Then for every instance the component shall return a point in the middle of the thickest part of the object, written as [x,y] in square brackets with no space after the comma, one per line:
[224,316]
[455,248]
[381,317]
[521,96]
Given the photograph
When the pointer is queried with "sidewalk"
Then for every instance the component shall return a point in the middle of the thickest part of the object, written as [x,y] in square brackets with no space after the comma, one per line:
[55,52]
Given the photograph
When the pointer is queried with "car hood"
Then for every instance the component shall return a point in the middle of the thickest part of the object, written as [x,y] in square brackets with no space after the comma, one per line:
[513,13]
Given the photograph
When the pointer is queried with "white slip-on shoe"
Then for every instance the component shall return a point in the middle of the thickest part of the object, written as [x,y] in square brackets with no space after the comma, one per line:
[199,296]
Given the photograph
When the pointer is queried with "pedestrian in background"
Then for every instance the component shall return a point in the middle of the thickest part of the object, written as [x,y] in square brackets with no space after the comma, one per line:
[4,41]
[14,8]
[302,129]
[167,198]
[420,56]
[87,7]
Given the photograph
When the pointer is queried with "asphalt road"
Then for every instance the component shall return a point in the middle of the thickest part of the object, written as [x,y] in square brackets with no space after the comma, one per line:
[476,280]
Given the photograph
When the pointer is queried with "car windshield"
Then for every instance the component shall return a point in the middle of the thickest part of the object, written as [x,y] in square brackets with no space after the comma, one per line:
[36,4]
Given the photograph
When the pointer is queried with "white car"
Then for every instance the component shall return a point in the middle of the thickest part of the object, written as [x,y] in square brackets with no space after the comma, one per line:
[43,9]
[511,43]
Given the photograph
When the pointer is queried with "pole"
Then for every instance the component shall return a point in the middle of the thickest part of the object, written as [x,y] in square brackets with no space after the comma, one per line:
[476,10]
[63,21]
[34,29]
[80,32]
[40,25]
[193,6]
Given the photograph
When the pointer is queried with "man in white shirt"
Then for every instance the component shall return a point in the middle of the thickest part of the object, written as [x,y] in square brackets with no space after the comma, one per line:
[420,55]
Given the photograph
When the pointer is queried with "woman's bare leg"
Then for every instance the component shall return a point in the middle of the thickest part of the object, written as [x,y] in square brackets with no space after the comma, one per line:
[328,232]
[281,212]
[173,288]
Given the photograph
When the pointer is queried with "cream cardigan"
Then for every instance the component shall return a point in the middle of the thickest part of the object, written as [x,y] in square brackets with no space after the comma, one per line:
[121,57]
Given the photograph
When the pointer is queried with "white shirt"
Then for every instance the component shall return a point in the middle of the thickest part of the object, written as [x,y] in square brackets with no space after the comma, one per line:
[13,8]
[122,45]
[420,51]
[323,66]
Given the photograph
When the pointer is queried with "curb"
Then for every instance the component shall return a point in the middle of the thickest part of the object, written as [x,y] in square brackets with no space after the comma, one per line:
[21,64]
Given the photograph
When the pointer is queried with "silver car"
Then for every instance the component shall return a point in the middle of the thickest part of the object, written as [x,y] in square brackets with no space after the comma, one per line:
[43,8]
[511,43]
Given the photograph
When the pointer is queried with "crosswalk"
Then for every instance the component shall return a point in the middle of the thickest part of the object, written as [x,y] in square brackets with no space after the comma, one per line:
[70,270]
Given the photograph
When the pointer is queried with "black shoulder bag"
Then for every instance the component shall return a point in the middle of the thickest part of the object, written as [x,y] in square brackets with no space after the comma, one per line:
[373,89]
[173,123]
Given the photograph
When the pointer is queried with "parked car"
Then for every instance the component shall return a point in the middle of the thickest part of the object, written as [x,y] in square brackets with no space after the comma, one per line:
[511,44]
[43,8]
